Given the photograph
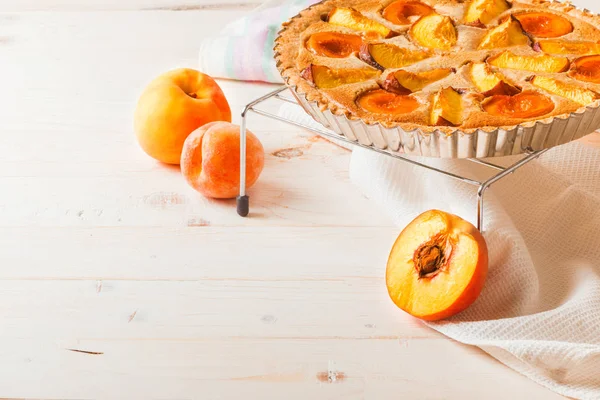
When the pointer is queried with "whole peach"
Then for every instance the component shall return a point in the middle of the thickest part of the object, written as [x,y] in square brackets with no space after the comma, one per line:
[210,160]
[172,106]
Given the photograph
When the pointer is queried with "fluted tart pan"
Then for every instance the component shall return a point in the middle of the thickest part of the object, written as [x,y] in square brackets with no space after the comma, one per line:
[441,142]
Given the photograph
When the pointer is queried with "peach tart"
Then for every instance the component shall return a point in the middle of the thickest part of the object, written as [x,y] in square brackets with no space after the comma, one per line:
[443,66]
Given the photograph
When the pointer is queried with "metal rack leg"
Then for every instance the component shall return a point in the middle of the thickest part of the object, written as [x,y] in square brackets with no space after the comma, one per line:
[509,170]
[242,200]
[480,192]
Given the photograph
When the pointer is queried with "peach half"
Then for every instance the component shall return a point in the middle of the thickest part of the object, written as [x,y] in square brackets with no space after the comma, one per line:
[544,24]
[524,105]
[401,12]
[333,44]
[437,266]
[586,69]
[383,102]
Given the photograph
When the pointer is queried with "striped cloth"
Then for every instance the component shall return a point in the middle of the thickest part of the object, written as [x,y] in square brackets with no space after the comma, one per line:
[243,50]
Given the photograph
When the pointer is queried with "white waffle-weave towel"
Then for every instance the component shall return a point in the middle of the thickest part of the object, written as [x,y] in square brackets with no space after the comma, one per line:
[539,312]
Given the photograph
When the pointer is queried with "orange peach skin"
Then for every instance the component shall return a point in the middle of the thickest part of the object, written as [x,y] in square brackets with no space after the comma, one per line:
[453,289]
[172,106]
[210,160]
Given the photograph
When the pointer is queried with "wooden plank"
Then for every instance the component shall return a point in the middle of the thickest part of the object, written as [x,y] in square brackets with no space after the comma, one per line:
[257,369]
[199,252]
[205,309]
[291,192]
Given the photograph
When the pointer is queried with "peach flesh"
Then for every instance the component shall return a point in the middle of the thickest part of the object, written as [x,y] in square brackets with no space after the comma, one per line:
[523,105]
[586,69]
[437,267]
[400,11]
[333,44]
[384,102]
[544,25]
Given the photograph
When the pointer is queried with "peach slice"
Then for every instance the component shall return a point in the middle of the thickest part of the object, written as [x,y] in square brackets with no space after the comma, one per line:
[447,108]
[543,63]
[437,266]
[401,12]
[383,102]
[482,12]
[410,82]
[326,78]
[435,32]
[544,24]
[352,19]
[586,69]
[334,44]
[391,84]
[523,105]
[490,83]
[567,47]
[509,33]
[575,93]
[385,55]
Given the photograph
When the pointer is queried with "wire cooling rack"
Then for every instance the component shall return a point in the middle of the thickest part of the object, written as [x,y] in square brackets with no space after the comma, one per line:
[499,172]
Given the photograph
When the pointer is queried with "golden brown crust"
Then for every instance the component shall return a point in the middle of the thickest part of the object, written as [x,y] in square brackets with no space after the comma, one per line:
[292,57]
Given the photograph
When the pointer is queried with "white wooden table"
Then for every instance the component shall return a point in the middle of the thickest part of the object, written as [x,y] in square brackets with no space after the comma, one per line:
[118,281]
